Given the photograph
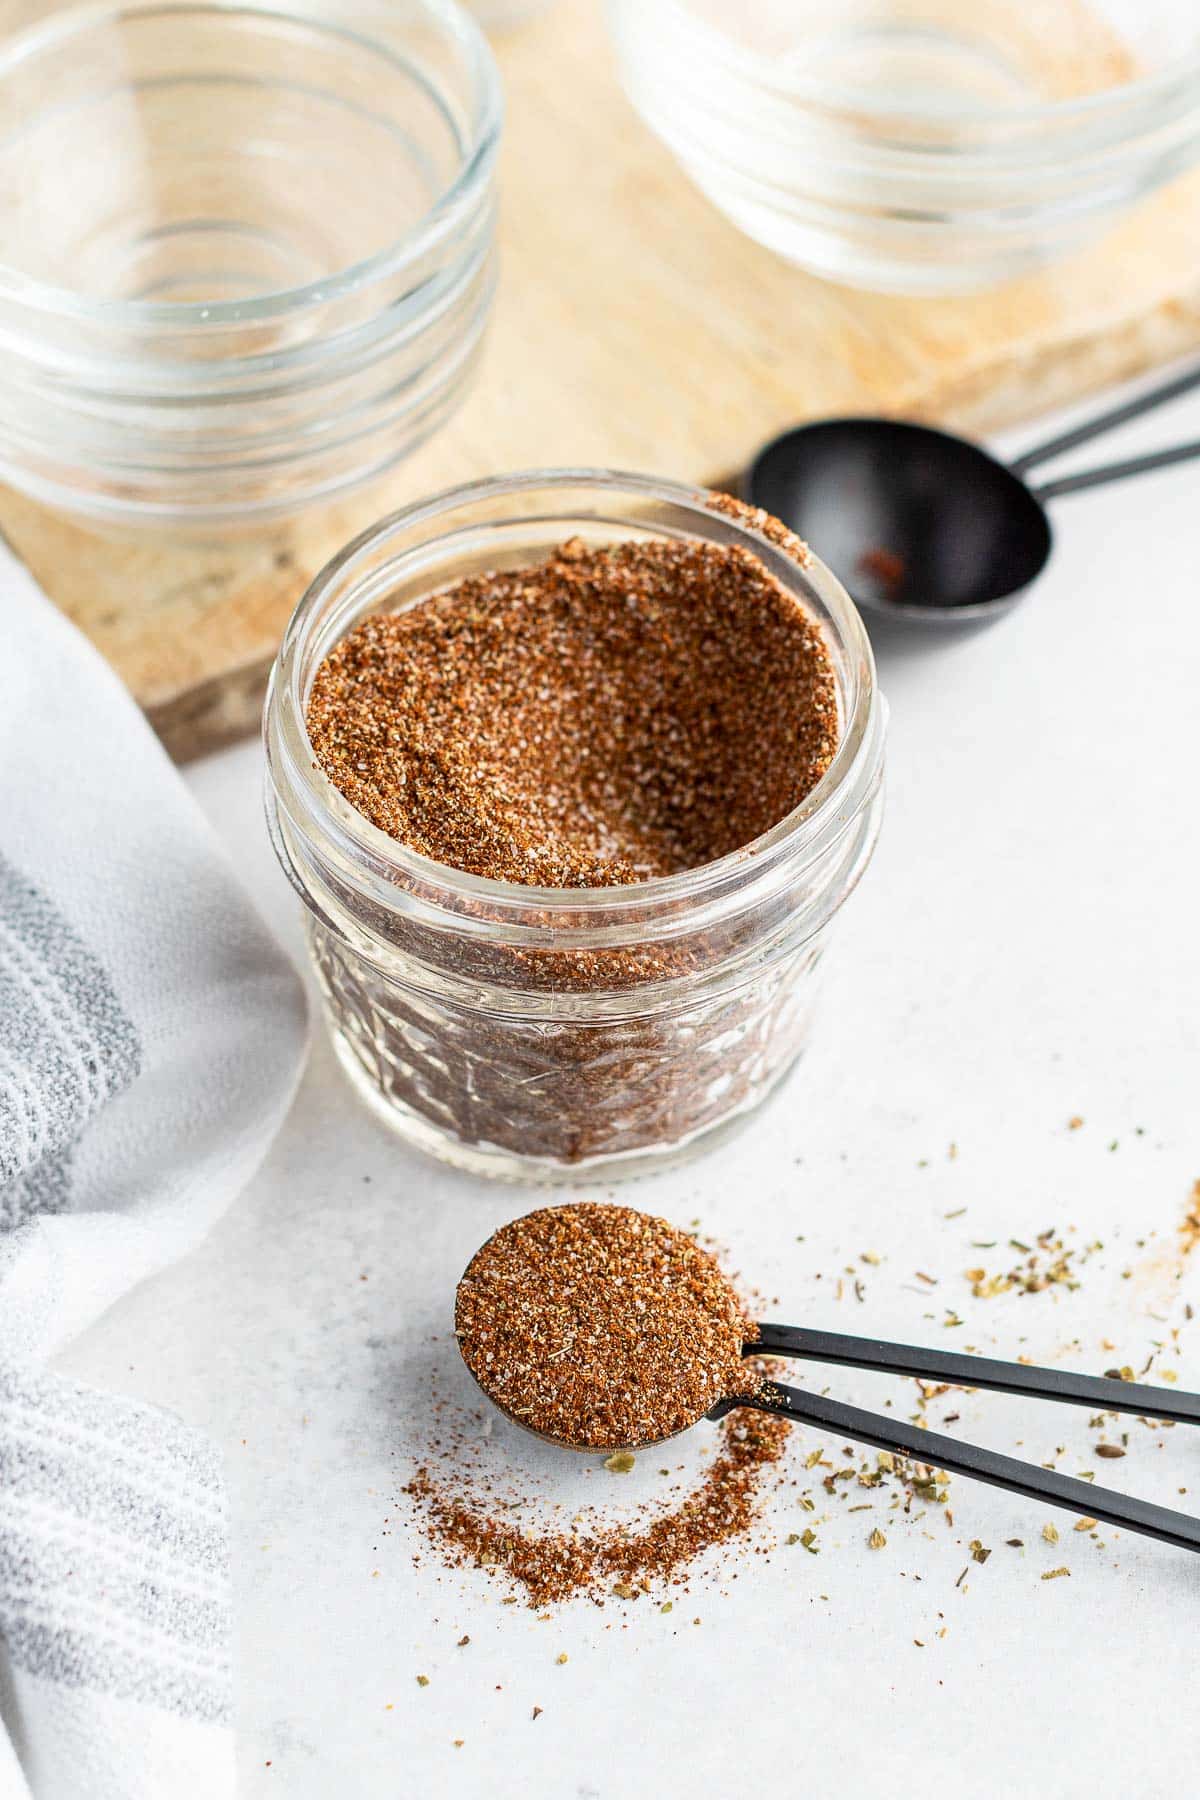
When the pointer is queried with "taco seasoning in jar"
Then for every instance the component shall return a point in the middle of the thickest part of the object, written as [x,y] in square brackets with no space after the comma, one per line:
[572,773]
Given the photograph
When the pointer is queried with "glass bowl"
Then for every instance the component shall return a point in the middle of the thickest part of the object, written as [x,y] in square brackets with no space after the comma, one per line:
[502,15]
[247,251]
[918,146]
[546,1033]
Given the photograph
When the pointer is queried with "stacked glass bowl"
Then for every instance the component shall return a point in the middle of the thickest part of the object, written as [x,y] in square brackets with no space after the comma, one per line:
[246,251]
[921,146]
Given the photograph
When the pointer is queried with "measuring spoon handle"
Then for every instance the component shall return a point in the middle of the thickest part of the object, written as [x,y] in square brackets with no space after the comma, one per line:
[1117,471]
[933,1448]
[1099,1392]
[1171,389]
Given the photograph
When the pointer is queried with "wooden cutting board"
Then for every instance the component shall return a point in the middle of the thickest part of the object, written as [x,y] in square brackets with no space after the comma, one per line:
[634,328]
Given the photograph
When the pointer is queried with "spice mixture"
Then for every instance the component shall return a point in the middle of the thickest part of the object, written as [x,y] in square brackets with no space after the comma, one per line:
[601,1327]
[557,1565]
[483,1507]
[609,715]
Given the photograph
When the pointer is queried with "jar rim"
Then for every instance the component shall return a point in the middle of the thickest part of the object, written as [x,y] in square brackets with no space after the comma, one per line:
[477,156]
[819,818]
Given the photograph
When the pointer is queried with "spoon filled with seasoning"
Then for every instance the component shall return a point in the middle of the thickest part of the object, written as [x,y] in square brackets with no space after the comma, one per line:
[603,1329]
[928,528]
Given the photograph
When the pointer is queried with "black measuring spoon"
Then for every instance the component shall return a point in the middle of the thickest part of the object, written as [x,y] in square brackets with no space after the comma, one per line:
[927,527]
[1097,1392]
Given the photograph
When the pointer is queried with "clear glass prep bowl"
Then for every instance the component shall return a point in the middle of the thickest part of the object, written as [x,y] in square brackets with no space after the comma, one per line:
[502,15]
[918,146]
[543,1033]
[246,250]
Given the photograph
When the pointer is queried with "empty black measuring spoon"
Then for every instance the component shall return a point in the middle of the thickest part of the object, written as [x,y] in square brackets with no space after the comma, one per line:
[923,526]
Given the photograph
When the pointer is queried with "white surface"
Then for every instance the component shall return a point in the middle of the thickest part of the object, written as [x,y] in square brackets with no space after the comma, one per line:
[1023,949]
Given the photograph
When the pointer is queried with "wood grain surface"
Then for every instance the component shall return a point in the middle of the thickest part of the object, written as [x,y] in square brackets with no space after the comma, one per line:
[634,328]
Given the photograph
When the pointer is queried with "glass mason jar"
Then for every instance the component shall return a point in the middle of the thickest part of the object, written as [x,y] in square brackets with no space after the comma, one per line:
[547,1033]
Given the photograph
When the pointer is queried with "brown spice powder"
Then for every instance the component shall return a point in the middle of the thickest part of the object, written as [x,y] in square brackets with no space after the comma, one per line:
[597,1325]
[557,1566]
[606,716]
[601,1327]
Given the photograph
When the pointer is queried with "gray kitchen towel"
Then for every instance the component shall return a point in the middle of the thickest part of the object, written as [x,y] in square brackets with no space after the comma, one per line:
[151,1034]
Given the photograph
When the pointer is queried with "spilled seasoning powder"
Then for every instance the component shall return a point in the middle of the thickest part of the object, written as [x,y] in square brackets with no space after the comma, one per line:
[601,1327]
[556,1566]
